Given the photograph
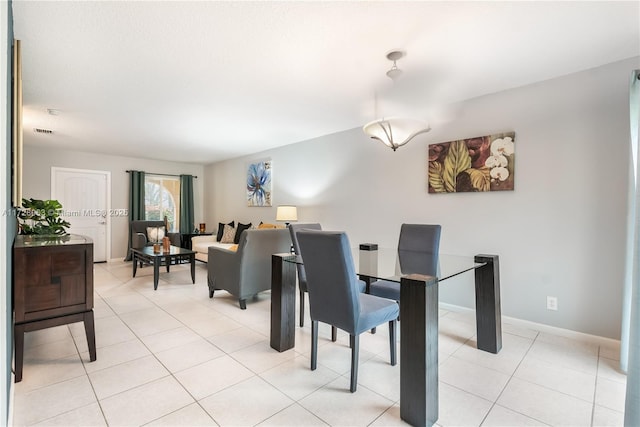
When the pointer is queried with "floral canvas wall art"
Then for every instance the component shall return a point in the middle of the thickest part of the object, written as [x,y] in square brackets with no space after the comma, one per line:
[259,184]
[484,163]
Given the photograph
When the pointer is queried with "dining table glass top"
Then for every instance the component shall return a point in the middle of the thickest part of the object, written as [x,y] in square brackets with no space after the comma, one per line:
[383,263]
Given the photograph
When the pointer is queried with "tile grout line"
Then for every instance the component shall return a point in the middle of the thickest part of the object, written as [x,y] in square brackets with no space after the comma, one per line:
[84,367]
[495,402]
[171,374]
[295,402]
[193,297]
[595,389]
[78,353]
[104,416]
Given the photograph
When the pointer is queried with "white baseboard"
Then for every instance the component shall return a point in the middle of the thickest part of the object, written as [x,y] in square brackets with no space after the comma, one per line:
[567,333]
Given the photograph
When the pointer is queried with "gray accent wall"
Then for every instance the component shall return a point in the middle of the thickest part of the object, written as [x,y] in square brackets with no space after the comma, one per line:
[561,232]
[38,162]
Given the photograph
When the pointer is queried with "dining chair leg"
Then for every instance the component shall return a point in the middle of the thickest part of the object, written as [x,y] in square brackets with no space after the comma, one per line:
[355,347]
[314,344]
[301,309]
[392,341]
[334,333]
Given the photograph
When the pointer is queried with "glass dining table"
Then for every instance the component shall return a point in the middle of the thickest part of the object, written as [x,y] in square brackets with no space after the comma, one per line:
[418,316]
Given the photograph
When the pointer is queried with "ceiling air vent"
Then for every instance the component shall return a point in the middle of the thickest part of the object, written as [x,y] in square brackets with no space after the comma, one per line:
[43,131]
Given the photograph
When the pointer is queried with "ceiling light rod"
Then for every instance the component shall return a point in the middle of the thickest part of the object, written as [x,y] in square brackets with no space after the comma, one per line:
[394,72]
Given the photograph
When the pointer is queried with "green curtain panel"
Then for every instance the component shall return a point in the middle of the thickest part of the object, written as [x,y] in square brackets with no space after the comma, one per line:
[186,204]
[136,202]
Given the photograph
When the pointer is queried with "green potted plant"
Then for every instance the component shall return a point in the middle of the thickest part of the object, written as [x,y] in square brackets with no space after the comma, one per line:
[42,217]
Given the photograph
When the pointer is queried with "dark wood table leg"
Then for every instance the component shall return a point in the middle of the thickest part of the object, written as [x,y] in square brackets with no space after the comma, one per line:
[488,312]
[167,262]
[90,331]
[419,350]
[367,282]
[283,303]
[18,337]
[134,258]
[156,272]
[192,260]
[19,330]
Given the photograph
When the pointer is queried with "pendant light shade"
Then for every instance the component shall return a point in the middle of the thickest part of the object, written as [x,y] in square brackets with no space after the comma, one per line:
[395,132]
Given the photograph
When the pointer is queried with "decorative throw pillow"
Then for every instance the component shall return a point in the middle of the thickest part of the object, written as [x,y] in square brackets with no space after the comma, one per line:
[241,227]
[221,229]
[155,234]
[228,234]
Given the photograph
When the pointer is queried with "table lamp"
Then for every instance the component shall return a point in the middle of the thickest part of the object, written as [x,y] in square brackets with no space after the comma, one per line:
[287,213]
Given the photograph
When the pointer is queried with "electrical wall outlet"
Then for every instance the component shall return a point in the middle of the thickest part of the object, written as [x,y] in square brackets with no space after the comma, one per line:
[552,303]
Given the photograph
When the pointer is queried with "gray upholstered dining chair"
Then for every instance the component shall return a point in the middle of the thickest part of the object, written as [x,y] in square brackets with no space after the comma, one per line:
[418,249]
[302,275]
[335,297]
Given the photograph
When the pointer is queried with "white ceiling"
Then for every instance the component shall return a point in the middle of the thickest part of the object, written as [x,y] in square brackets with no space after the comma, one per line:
[209,80]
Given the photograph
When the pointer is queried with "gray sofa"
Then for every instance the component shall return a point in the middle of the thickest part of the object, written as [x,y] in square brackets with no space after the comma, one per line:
[246,271]
[200,245]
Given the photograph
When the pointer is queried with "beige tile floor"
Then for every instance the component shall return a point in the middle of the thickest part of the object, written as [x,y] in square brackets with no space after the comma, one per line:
[175,357]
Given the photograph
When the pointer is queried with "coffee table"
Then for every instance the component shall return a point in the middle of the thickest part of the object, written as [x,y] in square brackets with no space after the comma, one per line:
[174,254]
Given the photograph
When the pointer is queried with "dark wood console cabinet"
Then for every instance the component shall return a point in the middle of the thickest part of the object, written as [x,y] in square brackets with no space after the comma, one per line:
[52,286]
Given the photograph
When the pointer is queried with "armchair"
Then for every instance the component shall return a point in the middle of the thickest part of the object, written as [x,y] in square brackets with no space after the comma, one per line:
[247,270]
[139,237]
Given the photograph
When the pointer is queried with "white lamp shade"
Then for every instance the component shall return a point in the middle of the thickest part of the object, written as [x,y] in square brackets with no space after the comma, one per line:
[287,213]
[394,132]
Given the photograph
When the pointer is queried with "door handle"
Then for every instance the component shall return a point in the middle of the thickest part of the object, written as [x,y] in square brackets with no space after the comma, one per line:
[102,222]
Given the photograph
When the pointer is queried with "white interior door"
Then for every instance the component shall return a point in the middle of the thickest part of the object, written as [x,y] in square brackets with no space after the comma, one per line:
[84,195]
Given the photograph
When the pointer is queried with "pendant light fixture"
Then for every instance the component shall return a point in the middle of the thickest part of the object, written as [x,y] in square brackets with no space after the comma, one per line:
[395,132]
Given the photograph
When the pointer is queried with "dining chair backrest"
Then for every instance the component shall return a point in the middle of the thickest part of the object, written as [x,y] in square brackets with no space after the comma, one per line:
[293,229]
[331,278]
[418,248]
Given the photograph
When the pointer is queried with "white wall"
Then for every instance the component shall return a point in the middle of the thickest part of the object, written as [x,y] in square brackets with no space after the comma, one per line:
[560,233]
[37,181]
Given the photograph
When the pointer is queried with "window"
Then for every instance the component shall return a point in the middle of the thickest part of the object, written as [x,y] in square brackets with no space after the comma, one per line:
[162,199]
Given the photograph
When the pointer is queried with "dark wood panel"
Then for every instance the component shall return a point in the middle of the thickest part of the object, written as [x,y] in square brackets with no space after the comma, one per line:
[283,303]
[88,277]
[41,297]
[36,268]
[65,262]
[52,286]
[73,290]
[419,350]
[488,311]
[55,312]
